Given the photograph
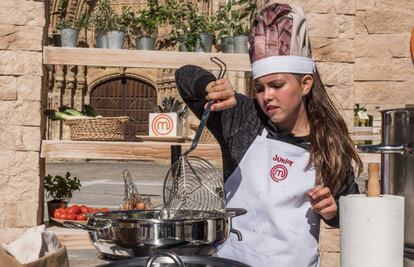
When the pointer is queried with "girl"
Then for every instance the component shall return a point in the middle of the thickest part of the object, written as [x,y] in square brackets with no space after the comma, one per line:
[287,154]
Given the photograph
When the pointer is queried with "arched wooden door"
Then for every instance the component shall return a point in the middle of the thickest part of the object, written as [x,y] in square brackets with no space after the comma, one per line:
[125,97]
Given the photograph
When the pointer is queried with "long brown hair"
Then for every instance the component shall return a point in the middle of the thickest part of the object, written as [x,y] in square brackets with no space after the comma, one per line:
[332,150]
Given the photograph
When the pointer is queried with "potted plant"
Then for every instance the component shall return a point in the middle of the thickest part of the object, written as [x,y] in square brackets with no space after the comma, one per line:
[146,24]
[205,27]
[234,20]
[59,189]
[246,13]
[194,29]
[101,19]
[69,31]
[226,24]
[178,18]
[118,27]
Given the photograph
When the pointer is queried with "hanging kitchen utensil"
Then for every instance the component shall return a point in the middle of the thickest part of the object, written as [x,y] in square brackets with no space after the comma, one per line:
[132,199]
[192,183]
[182,112]
[164,104]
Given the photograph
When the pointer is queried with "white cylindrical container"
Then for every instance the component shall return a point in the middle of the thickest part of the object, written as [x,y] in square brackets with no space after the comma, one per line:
[372,231]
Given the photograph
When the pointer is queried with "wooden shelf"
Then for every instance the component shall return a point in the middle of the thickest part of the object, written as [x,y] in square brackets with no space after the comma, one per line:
[146,138]
[122,150]
[140,58]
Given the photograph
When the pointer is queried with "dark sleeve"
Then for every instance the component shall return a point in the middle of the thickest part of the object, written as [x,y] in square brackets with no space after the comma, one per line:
[191,83]
[349,186]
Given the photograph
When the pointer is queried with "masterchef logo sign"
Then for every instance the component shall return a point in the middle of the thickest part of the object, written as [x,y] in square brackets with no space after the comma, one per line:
[163,124]
[279,172]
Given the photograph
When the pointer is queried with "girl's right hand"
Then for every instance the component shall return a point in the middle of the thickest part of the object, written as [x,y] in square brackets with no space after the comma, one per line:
[222,93]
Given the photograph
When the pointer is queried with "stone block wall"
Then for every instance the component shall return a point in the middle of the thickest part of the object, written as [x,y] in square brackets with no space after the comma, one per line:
[22,25]
[384,71]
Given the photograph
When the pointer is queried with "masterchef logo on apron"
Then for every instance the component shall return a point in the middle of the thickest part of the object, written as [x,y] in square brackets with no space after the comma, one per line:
[279,172]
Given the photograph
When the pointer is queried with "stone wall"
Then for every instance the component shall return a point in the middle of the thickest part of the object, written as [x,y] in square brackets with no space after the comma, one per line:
[384,72]
[22,25]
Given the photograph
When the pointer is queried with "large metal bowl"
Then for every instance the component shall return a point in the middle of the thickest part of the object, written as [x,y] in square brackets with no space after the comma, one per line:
[141,233]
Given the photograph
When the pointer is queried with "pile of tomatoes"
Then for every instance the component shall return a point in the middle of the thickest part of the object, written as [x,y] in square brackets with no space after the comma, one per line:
[76,212]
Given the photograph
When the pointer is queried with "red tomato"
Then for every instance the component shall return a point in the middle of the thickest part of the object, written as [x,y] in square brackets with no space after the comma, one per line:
[63,216]
[57,214]
[80,217]
[62,209]
[84,209]
[74,209]
[71,216]
[104,210]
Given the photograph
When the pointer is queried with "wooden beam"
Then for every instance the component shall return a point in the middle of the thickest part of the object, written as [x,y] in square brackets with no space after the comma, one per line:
[122,150]
[141,58]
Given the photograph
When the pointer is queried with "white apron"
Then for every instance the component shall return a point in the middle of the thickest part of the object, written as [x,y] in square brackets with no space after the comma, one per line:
[279,229]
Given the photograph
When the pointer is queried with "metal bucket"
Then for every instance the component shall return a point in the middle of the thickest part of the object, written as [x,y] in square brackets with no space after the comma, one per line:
[115,39]
[204,43]
[227,44]
[240,44]
[397,162]
[69,37]
[101,41]
[145,43]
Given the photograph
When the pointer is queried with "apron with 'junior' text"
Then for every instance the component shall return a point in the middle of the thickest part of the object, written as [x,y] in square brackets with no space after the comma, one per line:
[279,228]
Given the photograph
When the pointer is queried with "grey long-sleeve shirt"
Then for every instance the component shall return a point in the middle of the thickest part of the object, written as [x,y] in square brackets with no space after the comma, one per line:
[236,128]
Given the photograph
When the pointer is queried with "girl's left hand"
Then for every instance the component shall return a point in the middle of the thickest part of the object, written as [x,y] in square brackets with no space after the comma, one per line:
[323,202]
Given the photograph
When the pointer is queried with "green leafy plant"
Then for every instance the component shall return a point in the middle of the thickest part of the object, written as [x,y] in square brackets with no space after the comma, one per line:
[147,21]
[60,188]
[82,22]
[120,22]
[188,23]
[103,17]
[178,13]
[236,16]
[231,21]
[62,9]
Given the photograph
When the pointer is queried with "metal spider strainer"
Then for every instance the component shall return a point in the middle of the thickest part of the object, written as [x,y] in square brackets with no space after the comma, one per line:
[193,183]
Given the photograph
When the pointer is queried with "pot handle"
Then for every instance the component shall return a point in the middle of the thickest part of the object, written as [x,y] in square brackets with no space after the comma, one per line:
[75,225]
[170,255]
[387,149]
[234,212]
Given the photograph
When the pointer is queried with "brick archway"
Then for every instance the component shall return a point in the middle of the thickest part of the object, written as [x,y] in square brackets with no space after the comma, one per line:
[124,96]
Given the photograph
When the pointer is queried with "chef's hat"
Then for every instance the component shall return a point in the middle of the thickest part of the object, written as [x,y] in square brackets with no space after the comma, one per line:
[279,42]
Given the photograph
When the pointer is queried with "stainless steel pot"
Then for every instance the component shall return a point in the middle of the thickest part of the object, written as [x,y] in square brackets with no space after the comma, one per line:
[143,232]
[397,162]
[164,259]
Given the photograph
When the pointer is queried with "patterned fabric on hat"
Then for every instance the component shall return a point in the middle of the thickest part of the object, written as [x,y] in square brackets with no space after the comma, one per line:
[279,41]
[271,32]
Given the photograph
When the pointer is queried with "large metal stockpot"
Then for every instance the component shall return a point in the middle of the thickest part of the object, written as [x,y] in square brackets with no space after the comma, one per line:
[397,160]
[143,232]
